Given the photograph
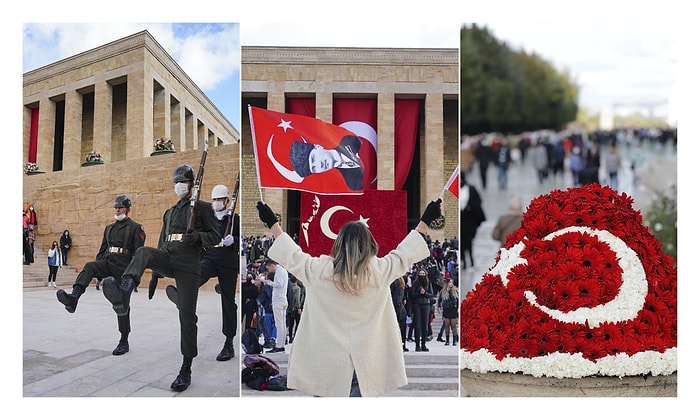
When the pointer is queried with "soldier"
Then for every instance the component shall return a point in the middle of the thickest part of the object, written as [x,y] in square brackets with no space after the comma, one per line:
[120,241]
[177,256]
[222,261]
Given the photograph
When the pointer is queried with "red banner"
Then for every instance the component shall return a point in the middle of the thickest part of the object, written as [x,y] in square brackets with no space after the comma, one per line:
[360,117]
[405,133]
[306,154]
[302,106]
[321,218]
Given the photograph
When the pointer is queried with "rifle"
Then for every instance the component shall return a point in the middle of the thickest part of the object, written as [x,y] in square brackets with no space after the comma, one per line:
[197,187]
[232,206]
[153,284]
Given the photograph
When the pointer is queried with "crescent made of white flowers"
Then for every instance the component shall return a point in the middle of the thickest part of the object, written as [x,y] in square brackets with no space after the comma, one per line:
[625,306]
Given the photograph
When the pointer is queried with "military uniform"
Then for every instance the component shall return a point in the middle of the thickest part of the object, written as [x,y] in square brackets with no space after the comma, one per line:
[223,262]
[175,258]
[120,241]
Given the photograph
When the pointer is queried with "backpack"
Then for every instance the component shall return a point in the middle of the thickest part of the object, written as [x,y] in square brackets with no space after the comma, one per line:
[250,343]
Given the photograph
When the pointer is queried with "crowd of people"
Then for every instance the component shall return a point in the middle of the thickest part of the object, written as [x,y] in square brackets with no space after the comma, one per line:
[552,154]
[441,275]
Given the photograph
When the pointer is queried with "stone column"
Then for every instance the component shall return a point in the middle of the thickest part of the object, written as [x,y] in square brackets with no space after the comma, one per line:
[324,106]
[177,125]
[161,115]
[385,141]
[138,115]
[433,168]
[73,147]
[102,131]
[190,138]
[45,139]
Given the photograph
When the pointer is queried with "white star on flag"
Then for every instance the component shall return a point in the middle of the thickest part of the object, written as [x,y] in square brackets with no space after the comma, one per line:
[364,220]
[285,125]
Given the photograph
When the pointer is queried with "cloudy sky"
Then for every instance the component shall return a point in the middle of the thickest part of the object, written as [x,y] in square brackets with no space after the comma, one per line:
[208,53]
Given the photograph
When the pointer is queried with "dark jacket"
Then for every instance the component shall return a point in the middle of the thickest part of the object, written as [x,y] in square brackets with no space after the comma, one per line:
[128,235]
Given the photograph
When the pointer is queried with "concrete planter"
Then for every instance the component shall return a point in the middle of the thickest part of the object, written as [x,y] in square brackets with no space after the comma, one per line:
[162,152]
[496,384]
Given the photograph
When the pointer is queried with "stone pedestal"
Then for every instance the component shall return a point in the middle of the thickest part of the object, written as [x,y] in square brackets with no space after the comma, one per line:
[496,384]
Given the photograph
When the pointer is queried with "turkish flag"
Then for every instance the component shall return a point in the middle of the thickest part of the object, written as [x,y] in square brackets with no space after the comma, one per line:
[453,183]
[276,134]
[321,218]
[406,114]
[360,117]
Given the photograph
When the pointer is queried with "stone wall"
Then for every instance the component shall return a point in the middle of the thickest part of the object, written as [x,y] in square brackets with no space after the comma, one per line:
[81,200]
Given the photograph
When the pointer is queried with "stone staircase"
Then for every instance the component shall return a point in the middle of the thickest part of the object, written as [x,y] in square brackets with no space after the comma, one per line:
[37,274]
[430,374]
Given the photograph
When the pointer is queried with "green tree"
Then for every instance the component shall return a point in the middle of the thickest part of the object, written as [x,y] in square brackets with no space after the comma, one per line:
[507,91]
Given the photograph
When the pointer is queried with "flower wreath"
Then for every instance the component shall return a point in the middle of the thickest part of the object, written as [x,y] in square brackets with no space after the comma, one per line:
[163,144]
[30,167]
[581,289]
[93,157]
[438,223]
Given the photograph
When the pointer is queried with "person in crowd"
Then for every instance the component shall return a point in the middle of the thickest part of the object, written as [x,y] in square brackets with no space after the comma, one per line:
[66,242]
[54,263]
[540,159]
[349,316]
[398,298]
[120,241]
[508,222]
[471,217]
[177,256]
[612,165]
[294,308]
[249,294]
[503,159]
[279,283]
[449,302]
[484,155]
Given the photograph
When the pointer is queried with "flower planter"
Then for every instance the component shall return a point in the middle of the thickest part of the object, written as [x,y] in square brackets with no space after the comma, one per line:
[92,163]
[35,172]
[162,152]
[497,384]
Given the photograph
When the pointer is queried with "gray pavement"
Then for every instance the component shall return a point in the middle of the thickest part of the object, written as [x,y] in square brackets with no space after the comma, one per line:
[70,355]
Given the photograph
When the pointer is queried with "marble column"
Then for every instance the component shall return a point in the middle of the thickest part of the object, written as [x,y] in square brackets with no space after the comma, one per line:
[102,131]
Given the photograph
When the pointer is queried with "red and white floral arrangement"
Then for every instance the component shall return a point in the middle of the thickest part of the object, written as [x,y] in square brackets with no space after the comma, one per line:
[581,289]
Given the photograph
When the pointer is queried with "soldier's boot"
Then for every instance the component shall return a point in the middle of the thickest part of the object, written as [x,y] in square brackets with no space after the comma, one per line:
[118,293]
[171,293]
[70,301]
[184,378]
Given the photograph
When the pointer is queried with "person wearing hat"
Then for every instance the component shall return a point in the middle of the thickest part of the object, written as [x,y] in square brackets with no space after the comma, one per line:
[120,241]
[221,261]
[307,159]
[177,256]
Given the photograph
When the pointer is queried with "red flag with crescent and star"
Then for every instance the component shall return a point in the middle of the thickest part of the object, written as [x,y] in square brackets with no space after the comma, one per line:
[322,216]
[273,135]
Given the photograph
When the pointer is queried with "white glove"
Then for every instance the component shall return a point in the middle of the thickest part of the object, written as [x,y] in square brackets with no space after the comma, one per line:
[228,240]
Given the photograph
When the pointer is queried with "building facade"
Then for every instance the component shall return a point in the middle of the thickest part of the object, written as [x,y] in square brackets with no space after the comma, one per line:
[271,76]
[116,100]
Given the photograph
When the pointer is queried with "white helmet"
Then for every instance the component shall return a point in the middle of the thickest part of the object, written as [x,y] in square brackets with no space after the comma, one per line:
[219,191]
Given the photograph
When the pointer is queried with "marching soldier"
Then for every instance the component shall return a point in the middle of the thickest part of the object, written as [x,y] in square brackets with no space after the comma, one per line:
[222,261]
[177,256]
[120,241]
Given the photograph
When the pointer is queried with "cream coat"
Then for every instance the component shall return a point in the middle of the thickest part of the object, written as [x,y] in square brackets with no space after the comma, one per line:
[338,332]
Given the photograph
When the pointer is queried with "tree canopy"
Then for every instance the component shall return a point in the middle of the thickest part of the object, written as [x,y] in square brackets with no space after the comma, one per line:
[510,91]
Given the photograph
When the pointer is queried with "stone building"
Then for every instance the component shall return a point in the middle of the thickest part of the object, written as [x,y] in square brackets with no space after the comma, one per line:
[116,99]
[270,76]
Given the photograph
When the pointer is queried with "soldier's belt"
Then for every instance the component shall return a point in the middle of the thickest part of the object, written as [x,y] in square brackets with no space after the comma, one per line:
[174,237]
[219,245]
[117,250]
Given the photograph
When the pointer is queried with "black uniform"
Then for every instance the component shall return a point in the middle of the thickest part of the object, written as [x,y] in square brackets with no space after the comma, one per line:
[180,260]
[223,262]
[120,241]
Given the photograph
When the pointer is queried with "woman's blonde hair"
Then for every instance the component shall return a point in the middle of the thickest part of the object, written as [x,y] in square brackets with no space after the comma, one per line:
[352,251]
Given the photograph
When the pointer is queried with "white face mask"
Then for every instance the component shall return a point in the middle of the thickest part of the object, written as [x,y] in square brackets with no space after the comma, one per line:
[120,217]
[181,189]
[217,205]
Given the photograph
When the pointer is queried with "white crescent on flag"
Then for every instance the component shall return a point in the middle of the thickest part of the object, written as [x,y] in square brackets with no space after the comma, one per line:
[287,173]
